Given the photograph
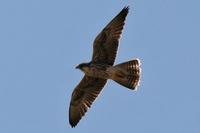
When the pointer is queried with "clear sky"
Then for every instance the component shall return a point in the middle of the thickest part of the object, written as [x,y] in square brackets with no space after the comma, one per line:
[41,42]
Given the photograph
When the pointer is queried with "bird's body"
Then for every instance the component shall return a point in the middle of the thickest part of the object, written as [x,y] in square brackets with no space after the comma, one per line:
[97,70]
[104,71]
[101,68]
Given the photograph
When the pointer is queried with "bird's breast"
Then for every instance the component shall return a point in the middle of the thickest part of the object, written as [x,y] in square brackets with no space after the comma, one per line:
[97,71]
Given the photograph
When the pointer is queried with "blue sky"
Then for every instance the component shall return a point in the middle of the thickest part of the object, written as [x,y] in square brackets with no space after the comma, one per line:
[41,42]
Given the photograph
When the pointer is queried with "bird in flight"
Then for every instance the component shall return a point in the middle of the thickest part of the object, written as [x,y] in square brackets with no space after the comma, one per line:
[101,68]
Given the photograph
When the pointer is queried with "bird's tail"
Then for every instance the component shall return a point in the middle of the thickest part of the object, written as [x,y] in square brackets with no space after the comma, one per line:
[128,74]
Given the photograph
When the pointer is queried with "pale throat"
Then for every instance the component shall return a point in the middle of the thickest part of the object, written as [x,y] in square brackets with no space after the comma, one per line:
[85,69]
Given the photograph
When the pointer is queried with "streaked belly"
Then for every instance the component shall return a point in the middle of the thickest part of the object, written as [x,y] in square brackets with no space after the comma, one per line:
[98,72]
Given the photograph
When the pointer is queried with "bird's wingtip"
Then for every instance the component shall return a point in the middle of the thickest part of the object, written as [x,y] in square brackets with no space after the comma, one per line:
[126,7]
[72,124]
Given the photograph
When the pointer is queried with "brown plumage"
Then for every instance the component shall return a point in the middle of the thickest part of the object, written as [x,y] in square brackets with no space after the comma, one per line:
[128,74]
[101,68]
[106,43]
[83,96]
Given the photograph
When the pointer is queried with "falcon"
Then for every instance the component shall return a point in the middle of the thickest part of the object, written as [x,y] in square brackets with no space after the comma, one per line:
[101,68]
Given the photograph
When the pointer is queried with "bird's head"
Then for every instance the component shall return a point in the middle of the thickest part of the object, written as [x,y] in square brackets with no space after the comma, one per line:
[83,66]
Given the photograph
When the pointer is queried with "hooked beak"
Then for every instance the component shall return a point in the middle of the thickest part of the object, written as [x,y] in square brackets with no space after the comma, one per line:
[77,67]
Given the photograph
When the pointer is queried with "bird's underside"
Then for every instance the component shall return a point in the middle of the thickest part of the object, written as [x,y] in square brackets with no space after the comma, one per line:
[101,68]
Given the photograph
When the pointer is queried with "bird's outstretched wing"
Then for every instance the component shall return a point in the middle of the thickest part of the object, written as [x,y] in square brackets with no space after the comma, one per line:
[83,96]
[104,51]
[106,43]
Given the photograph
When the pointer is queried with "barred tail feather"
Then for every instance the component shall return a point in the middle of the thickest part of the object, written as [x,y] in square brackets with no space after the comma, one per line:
[128,74]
